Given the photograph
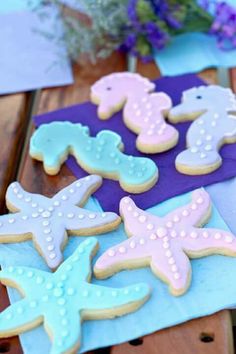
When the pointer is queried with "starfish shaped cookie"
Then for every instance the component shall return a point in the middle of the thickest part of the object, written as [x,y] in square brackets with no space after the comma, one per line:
[166,243]
[62,300]
[48,221]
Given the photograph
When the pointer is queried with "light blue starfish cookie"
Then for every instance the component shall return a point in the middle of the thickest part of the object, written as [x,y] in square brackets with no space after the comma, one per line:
[62,300]
[48,221]
[53,142]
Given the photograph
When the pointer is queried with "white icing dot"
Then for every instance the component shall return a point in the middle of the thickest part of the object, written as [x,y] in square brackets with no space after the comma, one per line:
[35,215]
[47,231]
[146,119]
[135,214]
[193,234]
[15,190]
[174,268]
[46,214]
[92,216]
[132,244]
[208,147]
[71,190]
[111,253]
[135,105]
[168,254]
[150,132]
[52,255]
[153,237]
[114,293]
[19,196]
[209,137]
[166,245]
[217,236]
[11,221]
[70,215]
[24,217]
[216,115]
[202,131]
[34,205]
[64,197]
[171,260]
[50,208]
[49,286]
[45,298]
[142,218]
[129,208]
[176,218]
[8,316]
[169,224]
[202,155]
[161,232]
[194,206]
[104,215]
[182,233]
[33,304]
[194,149]
[78,184]
[205,234]
[56,203]
[30,274]
[176,276]
[19,310]
[213,124]
[46,222]
[39,280]
[122,249]
[229,239]
[59,214]
[150,226]
[51,247]
[173,233]
[200,121]
[142,241]
[138,113]
[185,212]
[126,200]
[28,199]
[81,216]
[199,142]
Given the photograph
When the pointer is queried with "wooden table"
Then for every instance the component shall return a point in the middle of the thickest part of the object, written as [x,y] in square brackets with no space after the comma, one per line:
[211,334]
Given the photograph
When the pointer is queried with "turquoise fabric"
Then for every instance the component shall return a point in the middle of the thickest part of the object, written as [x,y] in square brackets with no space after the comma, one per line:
[192,52]
[213,279]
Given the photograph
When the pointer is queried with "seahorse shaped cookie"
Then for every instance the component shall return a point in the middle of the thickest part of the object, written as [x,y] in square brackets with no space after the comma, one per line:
[214,110]
[143,112]
[53,142]
[166,243]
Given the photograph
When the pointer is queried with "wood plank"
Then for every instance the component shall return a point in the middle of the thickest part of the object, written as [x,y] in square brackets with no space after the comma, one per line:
[232,73]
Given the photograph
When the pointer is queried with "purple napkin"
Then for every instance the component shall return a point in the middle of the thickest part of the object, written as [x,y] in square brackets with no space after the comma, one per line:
[171,182]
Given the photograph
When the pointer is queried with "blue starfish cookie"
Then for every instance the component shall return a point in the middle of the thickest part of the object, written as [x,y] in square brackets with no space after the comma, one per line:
[53,142]
[49,221]
[62,300]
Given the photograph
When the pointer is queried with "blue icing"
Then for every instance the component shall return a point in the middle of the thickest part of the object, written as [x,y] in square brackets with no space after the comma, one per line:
[52,143]
[61,300]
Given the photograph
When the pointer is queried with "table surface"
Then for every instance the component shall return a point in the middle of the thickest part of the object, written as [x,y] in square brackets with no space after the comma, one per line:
[209,335]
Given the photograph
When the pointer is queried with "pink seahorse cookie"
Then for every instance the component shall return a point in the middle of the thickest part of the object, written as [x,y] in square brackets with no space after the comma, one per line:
[166,243]
[213,109]
[143,111]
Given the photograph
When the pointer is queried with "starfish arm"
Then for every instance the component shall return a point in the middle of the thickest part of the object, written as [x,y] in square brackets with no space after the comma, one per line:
[196,213]
[129,254]
[78,192]
[18,199]
[104,302]
[19,317]
[65,331]
[173,267]
[204,242]
[136,220]
[80,259]
[23,278]
[84,222]
[49,241]
[13,228]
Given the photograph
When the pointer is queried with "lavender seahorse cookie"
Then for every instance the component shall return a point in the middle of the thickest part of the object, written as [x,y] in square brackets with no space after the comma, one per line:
[144,111]
[214,111]
[49,221]
[53,142]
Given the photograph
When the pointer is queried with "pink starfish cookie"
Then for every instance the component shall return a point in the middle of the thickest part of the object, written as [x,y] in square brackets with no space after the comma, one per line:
[166,243]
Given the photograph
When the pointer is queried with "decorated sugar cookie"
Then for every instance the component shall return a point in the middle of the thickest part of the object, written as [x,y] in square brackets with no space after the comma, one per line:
[49,221]
[53,142]
[214,111]
[144,111]
[62,300]
[166,243]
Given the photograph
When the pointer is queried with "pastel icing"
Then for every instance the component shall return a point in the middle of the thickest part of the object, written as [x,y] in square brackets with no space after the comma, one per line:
[166,243]
[62,300]
[49,221]
[213,108]
[143,111]
[53,142]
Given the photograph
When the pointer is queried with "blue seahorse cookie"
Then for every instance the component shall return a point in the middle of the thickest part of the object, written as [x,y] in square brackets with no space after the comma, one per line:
[213,109]
[53,142]
[63,299]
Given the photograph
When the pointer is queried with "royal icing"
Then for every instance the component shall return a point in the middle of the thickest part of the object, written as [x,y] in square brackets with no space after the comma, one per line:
[49,221]
[213,106]
[52,143]
[166,243]
[143,111]
[61,300]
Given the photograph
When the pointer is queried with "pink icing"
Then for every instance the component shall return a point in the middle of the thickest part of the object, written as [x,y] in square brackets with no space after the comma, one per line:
[166,243]
[143,110]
